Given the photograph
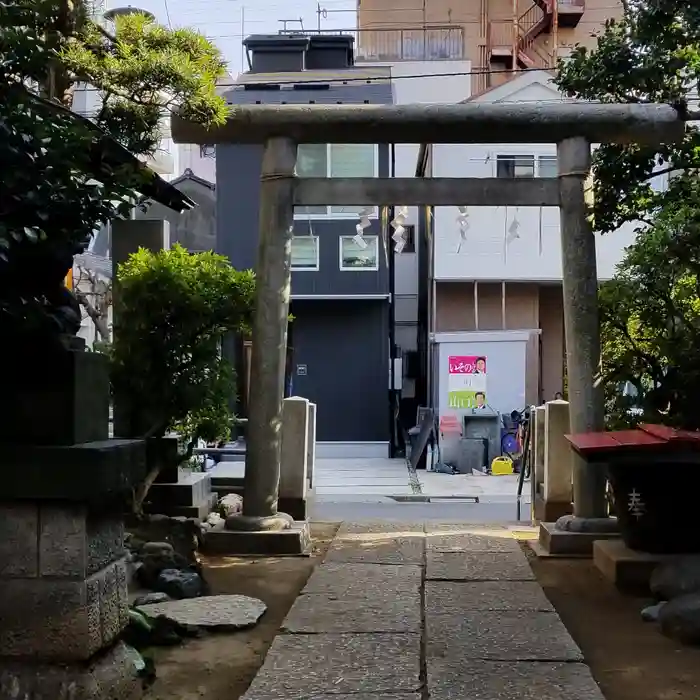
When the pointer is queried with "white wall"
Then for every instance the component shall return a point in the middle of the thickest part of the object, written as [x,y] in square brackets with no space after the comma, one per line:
[435,82]
[189,157]
[535,255]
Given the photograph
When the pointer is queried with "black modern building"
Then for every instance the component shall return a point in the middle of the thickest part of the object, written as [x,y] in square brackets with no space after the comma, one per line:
[339,339]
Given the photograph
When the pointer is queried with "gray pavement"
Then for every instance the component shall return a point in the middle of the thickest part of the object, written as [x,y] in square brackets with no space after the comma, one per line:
[354,509]
[409,611]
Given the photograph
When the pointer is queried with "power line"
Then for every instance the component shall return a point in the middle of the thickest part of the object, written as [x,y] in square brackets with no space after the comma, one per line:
[167,14]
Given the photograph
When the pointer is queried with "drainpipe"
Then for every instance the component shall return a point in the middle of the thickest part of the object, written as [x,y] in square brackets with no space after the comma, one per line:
[392,317]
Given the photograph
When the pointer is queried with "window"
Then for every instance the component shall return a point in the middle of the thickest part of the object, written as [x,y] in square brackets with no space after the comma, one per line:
[526,166]
[547,166]
[515,166]
[305,253]
[335,160]
[353,257]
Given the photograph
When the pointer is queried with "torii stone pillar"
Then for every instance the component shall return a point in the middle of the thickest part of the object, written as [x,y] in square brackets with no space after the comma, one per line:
[264,430]
[581,325]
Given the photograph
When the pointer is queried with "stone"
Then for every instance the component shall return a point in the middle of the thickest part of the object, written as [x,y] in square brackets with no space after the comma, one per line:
[214,519]
[367,611]
[180,584]
[311,445]
[88,473]
[19,540]
[457,679]
[294,541]
[181,532]
[57,398]
[572,523]
[224,613]
[151,598]
[558,454]
[461,597]
[301,666]
[482,566]
[231,504]
[190,496]
[293,457]
[680,618]
[161,557]
[157,548]
[71,619]
[626,568]
[114,670]
[456,538]
[676,577]
[500,636]
[343,580]
[555,541]
[651,612]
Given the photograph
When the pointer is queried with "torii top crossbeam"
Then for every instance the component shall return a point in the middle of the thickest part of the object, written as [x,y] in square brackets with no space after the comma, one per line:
[449,123]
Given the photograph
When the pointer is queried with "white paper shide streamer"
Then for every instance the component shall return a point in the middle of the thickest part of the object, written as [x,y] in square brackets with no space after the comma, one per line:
[463,223]
[397,223]
[360,228]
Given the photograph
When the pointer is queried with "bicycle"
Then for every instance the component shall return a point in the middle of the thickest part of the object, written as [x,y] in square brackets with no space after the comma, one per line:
[512,440]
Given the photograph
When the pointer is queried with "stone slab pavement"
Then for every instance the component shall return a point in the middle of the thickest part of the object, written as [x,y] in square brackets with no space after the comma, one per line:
[409,611]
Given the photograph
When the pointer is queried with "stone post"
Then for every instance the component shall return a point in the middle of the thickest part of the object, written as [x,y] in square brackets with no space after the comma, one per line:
[558,458]
[311,458]
[538,426]
[269,342]
[63,574]
[127,236]
[580,290]
[294,457]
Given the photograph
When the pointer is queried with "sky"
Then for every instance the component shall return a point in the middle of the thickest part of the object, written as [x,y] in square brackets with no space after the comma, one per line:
[226,22]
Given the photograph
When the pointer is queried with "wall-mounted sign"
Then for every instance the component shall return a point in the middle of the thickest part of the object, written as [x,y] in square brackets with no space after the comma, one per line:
[466,381]
[301,370]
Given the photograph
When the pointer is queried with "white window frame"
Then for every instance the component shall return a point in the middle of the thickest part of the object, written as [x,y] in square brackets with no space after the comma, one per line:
[307,268]
[536,156]
[330,215]
[369,238]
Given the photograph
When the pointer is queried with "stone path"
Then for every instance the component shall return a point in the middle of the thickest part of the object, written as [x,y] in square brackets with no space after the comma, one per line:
[423,611]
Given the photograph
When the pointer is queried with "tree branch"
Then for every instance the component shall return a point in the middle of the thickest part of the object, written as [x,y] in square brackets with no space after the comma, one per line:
[94,314]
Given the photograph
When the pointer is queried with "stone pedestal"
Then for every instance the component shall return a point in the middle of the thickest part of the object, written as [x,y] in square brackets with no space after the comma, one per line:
[63,575]
[628,569]
[191,496]
[568,543]
[56,400]
[294,457]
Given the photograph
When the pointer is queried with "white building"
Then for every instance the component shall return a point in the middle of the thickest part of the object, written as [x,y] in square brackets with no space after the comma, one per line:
[504,274]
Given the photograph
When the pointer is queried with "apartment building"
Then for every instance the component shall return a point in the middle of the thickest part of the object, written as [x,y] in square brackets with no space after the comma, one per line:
[497,36]
[338,345]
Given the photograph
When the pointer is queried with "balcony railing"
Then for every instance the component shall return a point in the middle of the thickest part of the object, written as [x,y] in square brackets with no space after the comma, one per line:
[422,44]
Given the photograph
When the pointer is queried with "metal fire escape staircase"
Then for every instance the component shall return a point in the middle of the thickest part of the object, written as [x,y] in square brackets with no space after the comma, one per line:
[522,35]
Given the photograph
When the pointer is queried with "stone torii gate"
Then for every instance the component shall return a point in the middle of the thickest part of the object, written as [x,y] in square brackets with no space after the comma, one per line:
[572,126]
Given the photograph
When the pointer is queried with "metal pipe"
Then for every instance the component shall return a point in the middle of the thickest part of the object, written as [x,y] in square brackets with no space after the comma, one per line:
[469,122]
